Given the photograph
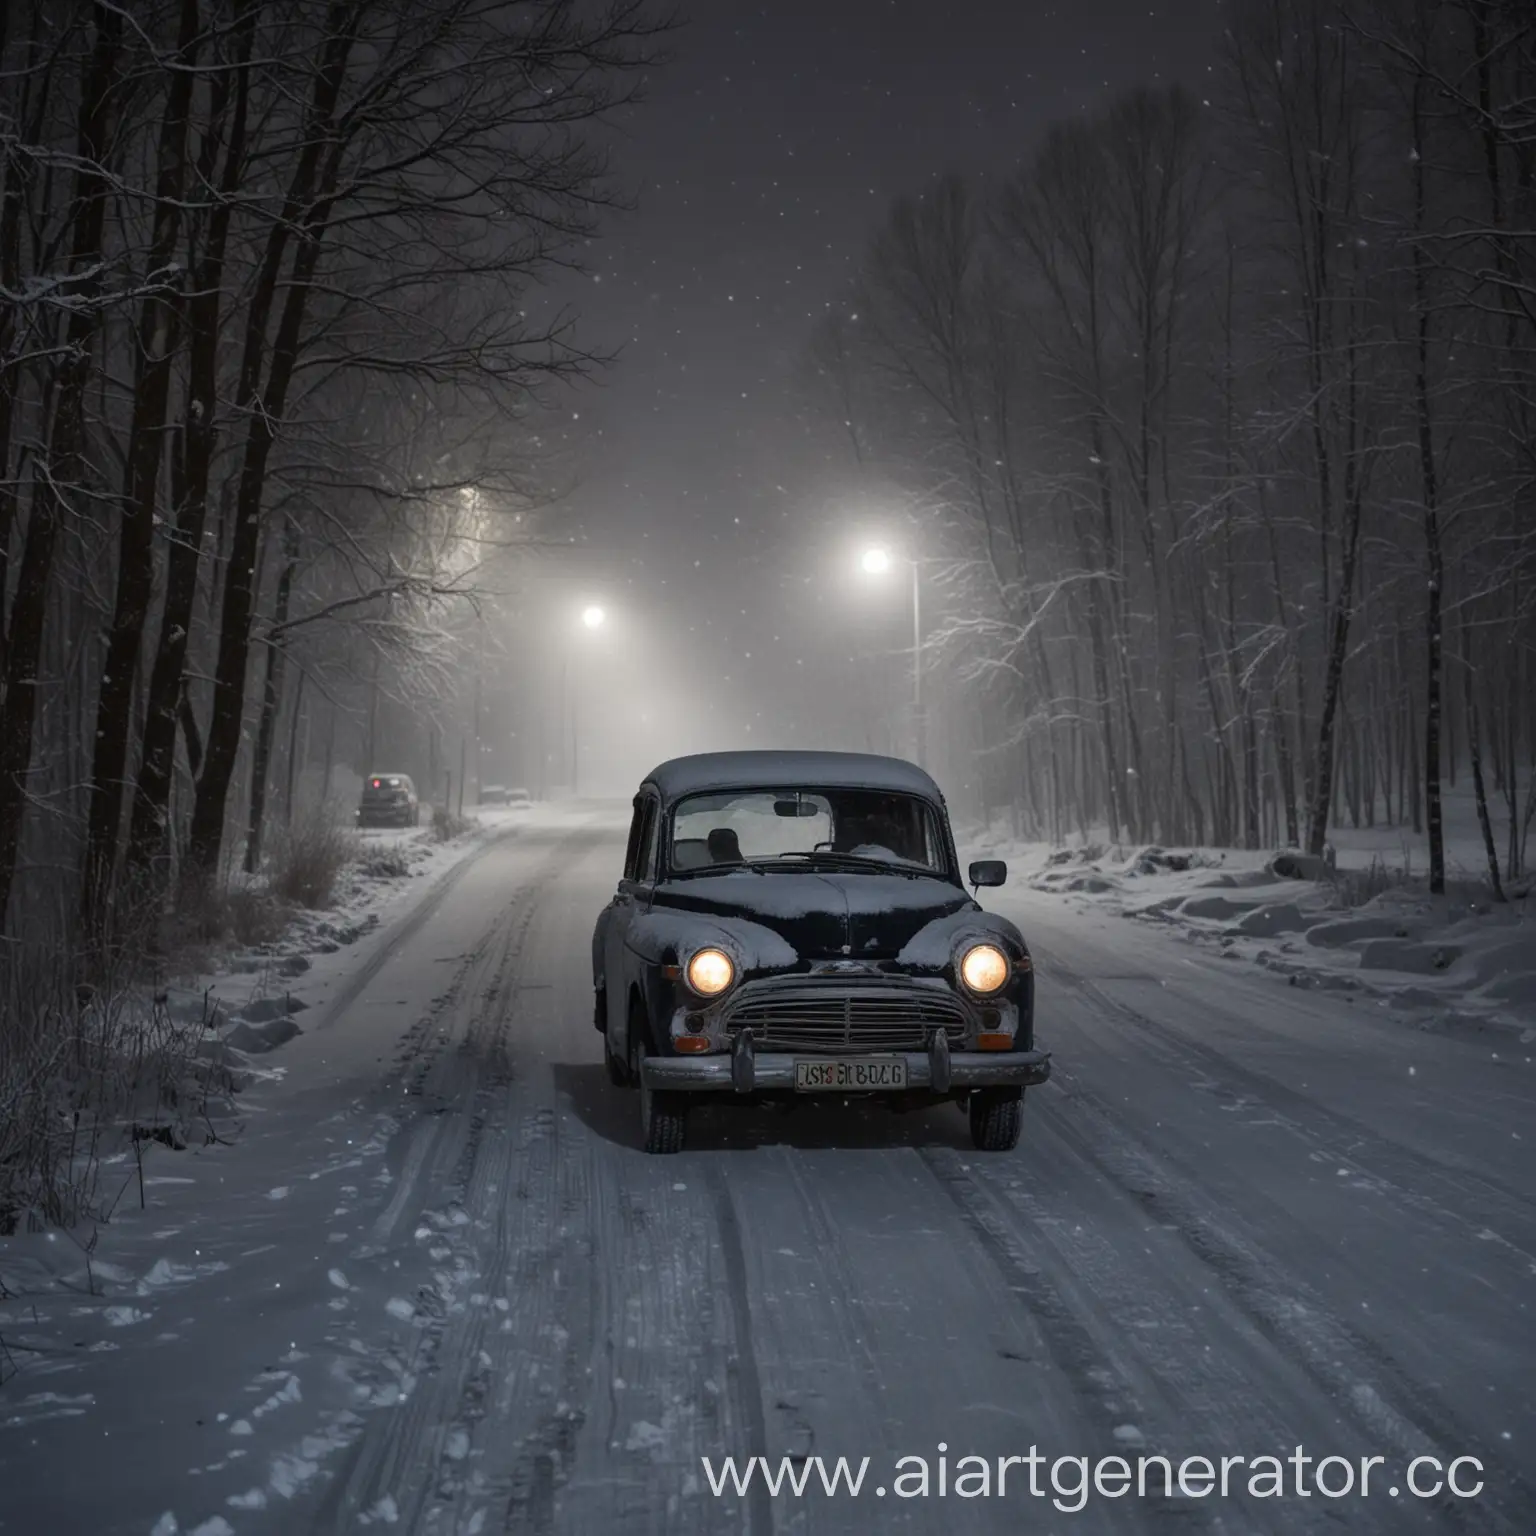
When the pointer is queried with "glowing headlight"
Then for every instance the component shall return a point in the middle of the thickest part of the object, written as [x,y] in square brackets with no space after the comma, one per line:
[984,968]
[710,972]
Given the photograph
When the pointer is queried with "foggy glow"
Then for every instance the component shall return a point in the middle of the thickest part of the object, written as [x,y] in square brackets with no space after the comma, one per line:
[593,617]
[876,562]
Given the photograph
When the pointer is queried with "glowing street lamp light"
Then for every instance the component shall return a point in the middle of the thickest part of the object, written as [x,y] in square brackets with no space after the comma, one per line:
[876,561]
[593,617]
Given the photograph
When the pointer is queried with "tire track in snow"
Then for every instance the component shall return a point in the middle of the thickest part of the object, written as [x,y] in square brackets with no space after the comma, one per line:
[1353,1376]
[1107,1387]
[401,933]
[460,1157]
[742,1370]
[1204,1367]
[1449,1196]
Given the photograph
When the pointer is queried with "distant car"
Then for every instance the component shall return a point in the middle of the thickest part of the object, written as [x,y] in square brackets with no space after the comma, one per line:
[500,794]
[389,800]
[795,923]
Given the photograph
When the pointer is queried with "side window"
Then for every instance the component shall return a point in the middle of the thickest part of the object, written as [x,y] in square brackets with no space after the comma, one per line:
[934,840]
[636,830]
[650,840]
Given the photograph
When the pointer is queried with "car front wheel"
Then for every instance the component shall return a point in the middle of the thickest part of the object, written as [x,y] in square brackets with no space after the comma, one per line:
[663,1116]
[997,1115]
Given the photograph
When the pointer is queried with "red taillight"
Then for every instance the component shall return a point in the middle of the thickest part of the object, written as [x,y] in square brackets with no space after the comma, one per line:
[378,783]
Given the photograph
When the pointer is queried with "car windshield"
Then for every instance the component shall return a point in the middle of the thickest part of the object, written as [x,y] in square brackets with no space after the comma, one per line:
[854,828]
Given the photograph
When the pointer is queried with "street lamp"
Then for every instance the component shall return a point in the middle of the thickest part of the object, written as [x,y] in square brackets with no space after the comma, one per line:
[876,561]
[593,618]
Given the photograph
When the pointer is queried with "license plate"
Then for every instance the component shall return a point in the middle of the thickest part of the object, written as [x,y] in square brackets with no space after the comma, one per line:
[862,1072]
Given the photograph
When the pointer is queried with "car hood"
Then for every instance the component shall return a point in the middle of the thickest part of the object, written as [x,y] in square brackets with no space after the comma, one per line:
[822,915]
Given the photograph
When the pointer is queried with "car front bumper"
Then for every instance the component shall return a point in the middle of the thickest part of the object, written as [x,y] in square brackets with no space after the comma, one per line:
[760,1071]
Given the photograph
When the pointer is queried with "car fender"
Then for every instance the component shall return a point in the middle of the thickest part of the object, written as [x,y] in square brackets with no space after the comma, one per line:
[932,950]
[599,936]
[662,937]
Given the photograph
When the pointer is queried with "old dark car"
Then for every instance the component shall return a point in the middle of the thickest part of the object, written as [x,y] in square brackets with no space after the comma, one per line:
[796,923]
[388,800]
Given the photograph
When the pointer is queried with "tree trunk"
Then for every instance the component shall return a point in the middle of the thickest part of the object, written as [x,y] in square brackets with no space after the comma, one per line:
[263,405]
[66,449]
[191,467]
[299,720]
[1475,753]
[1285,767]
[1430,491]
[19,173]
[271,693]
[157,341]
[1338,649]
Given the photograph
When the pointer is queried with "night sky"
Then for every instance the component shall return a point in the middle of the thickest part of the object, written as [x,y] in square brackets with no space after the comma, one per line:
[763,157]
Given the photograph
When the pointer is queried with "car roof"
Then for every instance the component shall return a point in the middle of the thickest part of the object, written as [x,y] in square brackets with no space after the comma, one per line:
[786,769]
[384,773]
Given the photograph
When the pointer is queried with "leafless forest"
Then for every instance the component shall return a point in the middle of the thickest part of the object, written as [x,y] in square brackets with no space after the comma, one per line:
[270,376]
[1216,425]
[1214,422]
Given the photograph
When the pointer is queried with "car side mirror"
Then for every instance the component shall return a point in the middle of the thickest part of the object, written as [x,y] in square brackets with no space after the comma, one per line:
[987,872]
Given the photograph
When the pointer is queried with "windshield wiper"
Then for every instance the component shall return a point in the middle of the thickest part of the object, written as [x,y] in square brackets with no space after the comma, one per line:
[856,861]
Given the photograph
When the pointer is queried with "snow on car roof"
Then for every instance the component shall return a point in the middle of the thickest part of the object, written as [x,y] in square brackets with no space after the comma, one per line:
[788,769]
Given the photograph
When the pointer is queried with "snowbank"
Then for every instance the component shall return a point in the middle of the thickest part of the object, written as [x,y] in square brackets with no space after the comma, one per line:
[1440,960]
[250,998]
[169,1060]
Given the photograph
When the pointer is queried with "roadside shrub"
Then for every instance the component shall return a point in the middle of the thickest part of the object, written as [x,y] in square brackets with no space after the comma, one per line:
[207,920]
[446,826]
[1356,887]
[87,1070]
[255,915]
[384,862]
[309,857]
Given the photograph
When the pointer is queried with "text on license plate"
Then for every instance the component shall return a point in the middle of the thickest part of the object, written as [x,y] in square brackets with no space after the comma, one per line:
[864,1072]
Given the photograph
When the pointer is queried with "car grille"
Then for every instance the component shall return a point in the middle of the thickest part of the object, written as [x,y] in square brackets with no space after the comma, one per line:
[838,1017]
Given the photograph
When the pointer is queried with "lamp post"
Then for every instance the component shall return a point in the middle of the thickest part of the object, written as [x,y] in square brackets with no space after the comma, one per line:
[592,618]
[876,562]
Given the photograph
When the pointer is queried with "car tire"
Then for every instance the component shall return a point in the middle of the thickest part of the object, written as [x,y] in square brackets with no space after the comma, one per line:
[618,1071]
[663,1116]
[997,1116]
[616,1067]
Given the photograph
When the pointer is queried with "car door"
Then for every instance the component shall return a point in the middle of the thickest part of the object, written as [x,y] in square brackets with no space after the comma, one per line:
[632,897]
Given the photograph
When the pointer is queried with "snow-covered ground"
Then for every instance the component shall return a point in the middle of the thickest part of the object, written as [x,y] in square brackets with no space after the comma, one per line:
[1368,929]
[428,1282]
[251,1003]
[197,1349]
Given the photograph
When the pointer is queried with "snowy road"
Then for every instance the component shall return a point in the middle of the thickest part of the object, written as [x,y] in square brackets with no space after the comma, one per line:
[437,1288]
